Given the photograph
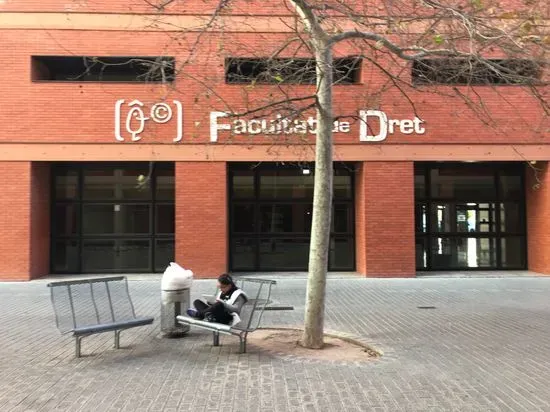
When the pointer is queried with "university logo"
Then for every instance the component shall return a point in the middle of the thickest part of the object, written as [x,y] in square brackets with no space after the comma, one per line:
[136,116]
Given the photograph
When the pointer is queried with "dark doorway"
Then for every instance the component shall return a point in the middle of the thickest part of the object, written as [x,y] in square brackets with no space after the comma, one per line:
[103,221]
[470,216]
[270,208]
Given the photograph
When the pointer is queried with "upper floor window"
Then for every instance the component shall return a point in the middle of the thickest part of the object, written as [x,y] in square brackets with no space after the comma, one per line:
[346,70]
[476,72]
[103,69]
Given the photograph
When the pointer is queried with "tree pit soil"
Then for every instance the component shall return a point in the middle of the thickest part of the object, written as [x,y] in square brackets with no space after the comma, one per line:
[336,348]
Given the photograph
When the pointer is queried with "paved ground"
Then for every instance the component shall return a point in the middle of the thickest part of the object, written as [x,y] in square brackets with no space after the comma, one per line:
[485,347]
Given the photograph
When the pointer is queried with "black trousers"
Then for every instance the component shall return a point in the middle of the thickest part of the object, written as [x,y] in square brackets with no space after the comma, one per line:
[216,311]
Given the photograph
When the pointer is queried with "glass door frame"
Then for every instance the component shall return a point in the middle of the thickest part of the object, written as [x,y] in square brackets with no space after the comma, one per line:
[257,202]
[427,236]
[79,202]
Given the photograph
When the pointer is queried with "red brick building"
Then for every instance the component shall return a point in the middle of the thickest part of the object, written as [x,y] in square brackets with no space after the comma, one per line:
[443,187]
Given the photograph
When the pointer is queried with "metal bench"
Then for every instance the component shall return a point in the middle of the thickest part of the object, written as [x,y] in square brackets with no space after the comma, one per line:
[258,292]
[89,306]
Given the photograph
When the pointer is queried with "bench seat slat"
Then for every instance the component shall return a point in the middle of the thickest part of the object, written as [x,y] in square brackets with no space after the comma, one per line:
[204,324]
[85,330]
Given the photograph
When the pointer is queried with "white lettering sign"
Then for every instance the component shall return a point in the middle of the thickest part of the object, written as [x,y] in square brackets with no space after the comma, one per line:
[135,120]
[275,126]
[386,126]
[131,119]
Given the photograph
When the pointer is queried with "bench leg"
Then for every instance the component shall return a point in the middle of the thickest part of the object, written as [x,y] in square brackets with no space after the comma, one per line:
[216,338]
[242,345]
[117,339]
[77,349]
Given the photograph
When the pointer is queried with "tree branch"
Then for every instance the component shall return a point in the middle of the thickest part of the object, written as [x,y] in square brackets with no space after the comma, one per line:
[419,52]
[310,20]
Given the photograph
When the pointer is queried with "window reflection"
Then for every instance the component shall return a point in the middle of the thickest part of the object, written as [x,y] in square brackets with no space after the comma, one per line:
[511,218]
[243,184]
[290,218]
[285,184]
[421,253]
[442,218]
[421,217]
[66,184]
[243,252]
[284,254]
[460,182]
[513,252]
[463,252]
[114,184]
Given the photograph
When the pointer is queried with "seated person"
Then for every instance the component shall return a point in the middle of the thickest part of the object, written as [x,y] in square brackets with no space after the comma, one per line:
[226,307]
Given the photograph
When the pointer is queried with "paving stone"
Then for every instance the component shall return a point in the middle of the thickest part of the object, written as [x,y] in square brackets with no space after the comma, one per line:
[485,347]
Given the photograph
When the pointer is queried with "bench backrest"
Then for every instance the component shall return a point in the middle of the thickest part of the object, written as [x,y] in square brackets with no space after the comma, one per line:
[88,302]
[258,292]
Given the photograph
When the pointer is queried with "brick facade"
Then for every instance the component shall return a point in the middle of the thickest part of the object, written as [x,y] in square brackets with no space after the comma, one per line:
[25,220]
[384,227]
[15,204]
[201,217]
[49,121]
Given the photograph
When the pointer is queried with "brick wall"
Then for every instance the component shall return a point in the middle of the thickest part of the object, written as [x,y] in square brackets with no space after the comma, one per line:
[269,7]
[15,220]
[40,220]
[25,220]
[538,223]
[46,106]
[385,219]
[201,217]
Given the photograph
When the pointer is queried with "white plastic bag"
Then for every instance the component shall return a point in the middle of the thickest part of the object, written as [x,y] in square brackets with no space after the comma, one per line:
[175,277]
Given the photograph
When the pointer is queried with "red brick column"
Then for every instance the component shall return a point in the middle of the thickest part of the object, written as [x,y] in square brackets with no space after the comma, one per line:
[14,220]
[360,219]
[24,220]
[538,224]
[201,217]
[385,243]
[40,220]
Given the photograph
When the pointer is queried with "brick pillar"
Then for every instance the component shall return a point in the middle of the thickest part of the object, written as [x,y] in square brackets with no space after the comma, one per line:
[538,225]
[15,220]
[201,217]
[24,220]
[360,221]
[385,242]
[40,220]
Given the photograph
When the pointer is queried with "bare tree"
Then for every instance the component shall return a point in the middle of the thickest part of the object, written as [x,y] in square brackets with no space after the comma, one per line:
[460,44]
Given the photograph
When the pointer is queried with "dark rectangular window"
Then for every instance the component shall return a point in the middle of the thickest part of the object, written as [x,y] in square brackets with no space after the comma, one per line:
[478,72]
[288,70]
[103,69]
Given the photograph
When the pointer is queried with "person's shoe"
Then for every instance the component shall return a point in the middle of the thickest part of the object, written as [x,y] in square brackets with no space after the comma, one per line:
[193,313]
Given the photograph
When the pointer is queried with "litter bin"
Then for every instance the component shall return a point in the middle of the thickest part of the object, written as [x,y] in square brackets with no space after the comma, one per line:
[175,299]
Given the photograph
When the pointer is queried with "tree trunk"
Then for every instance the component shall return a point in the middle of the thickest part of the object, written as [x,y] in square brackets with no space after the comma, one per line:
[322,202]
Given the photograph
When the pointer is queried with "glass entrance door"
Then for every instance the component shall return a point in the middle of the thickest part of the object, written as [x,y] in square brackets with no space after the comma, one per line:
[104,222]
[270,218]
[470,216]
